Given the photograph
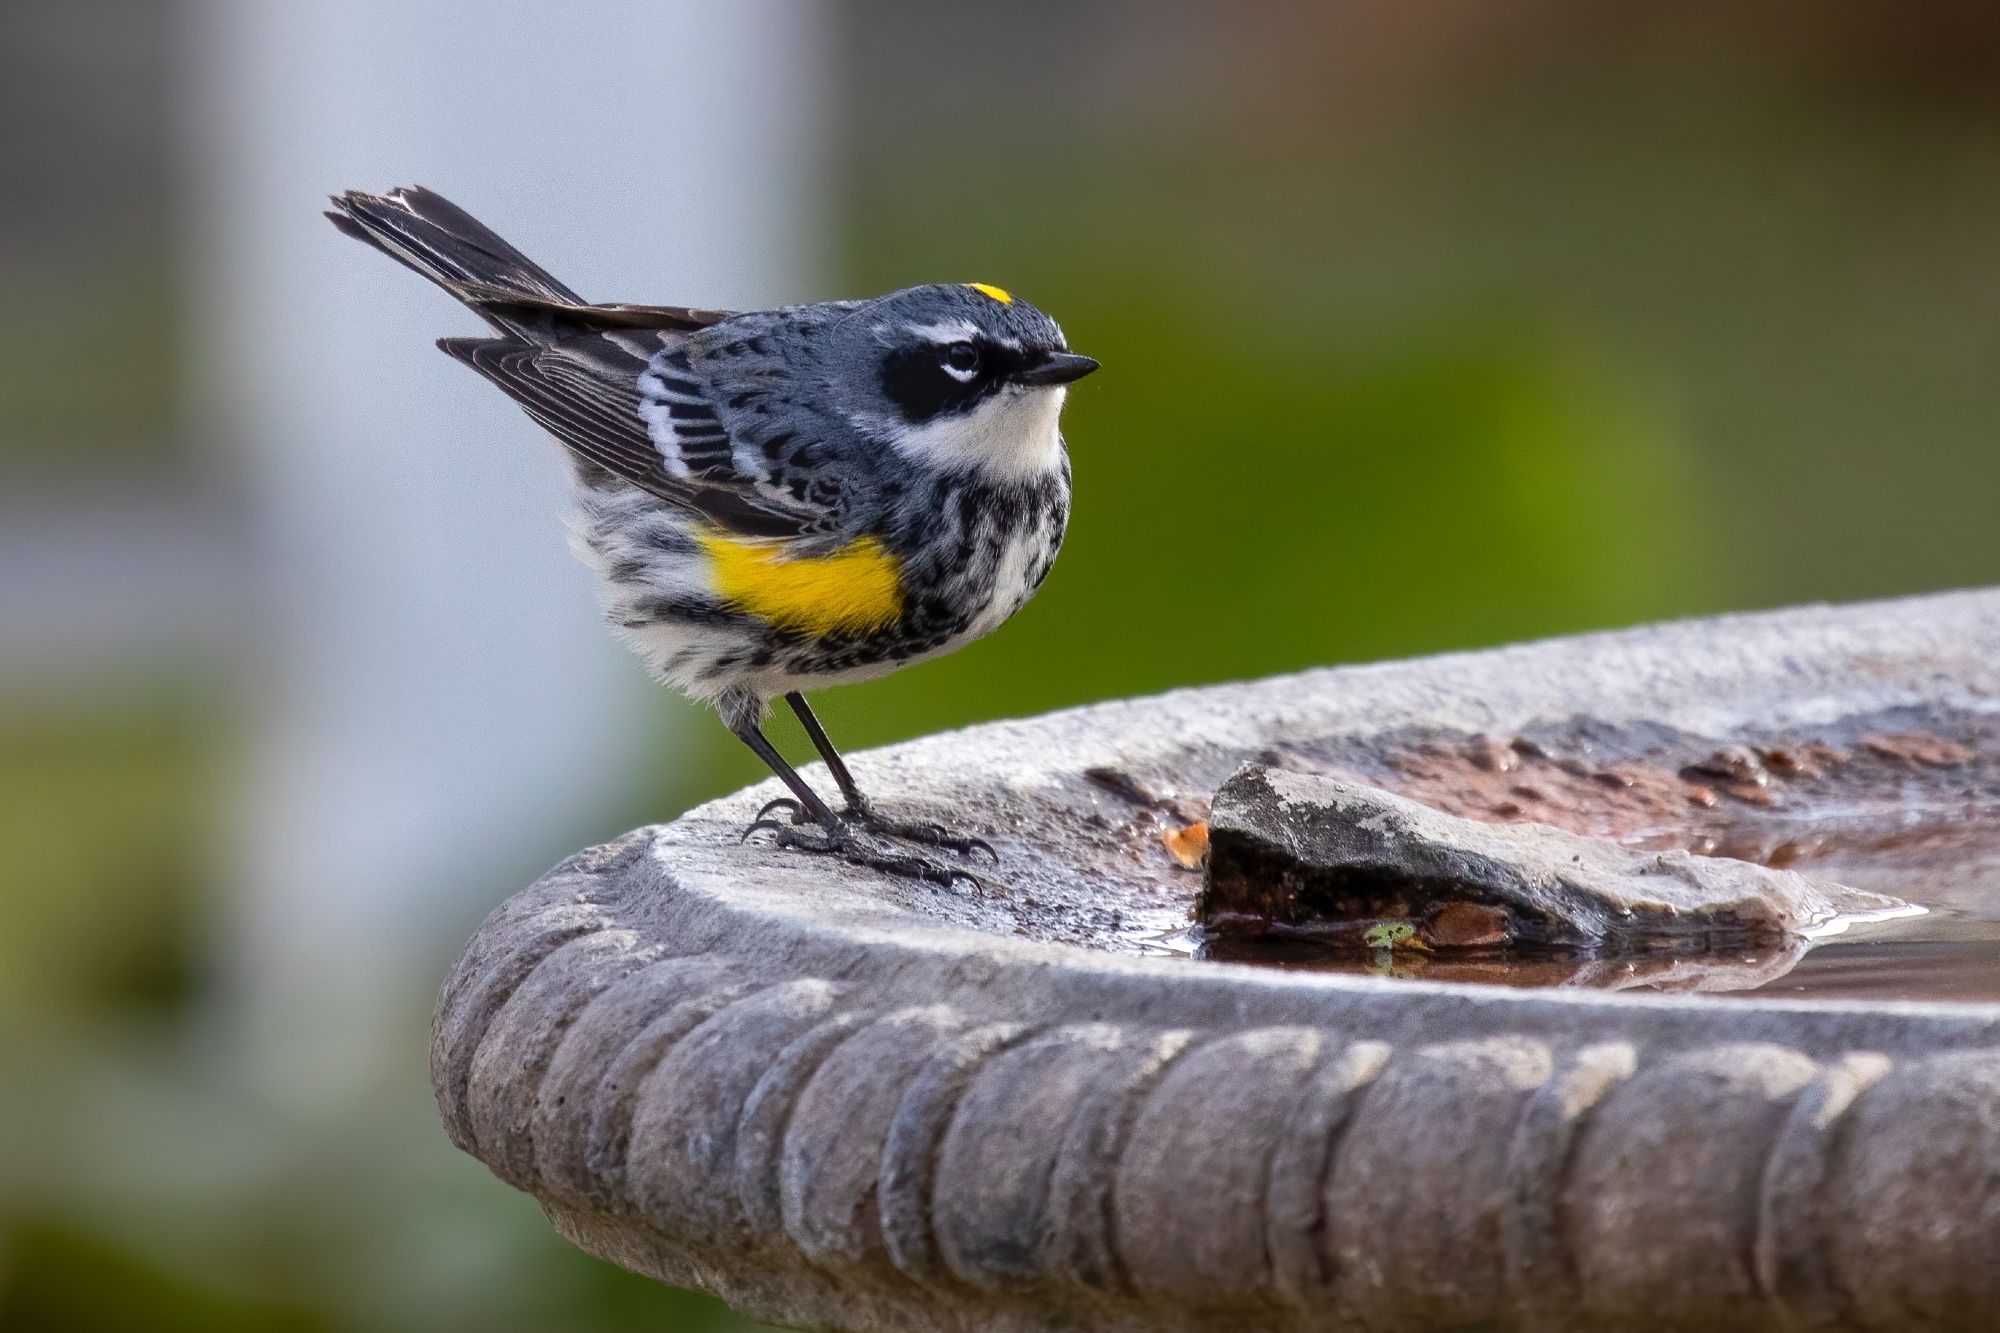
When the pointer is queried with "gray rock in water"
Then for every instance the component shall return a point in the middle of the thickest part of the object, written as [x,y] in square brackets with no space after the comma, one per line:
[1300,854]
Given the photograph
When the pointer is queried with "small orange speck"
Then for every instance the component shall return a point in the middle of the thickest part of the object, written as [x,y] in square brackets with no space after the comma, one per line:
[1189,846]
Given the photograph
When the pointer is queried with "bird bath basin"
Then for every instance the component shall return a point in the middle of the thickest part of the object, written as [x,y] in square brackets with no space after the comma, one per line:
[846,1101]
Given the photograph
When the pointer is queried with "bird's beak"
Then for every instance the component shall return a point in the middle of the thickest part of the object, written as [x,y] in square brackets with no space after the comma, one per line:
[1059,368]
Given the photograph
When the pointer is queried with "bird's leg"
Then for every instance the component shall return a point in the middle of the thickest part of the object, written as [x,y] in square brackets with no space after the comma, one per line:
[805,800]
[861,812]
[838,839]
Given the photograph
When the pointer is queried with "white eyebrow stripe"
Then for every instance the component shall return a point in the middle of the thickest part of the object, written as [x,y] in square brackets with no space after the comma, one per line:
[951,331]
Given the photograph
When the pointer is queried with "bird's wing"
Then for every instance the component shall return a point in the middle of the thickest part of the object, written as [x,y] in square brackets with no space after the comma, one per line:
[610,397]
[743,405]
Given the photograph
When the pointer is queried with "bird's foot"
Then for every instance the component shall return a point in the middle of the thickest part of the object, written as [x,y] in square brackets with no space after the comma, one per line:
[851,847]
[922,833]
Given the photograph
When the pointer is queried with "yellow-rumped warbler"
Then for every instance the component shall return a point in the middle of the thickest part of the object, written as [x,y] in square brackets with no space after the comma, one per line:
[780,499]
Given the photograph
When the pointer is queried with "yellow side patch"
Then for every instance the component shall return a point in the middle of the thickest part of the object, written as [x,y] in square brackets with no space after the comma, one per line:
[1004,298]
[855,589]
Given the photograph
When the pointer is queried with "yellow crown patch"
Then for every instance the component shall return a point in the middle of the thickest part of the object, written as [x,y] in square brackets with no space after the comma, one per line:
[984,289]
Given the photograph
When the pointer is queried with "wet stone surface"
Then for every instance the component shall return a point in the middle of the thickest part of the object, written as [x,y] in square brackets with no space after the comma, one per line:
[1895,801]
[1296,855]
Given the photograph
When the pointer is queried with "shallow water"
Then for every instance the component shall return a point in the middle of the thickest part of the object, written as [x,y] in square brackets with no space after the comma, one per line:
[1950,952]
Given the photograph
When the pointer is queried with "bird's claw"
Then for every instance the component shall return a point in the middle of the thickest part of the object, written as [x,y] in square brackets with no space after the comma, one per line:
[850,848]
[761,825]
[787,804]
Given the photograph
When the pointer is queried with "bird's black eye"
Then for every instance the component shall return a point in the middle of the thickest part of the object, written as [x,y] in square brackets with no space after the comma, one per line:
[962,356]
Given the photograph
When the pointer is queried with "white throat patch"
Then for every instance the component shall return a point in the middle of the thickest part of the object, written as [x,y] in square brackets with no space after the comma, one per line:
[1015,434]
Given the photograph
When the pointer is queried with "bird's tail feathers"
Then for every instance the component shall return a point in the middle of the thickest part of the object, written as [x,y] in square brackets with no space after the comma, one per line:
[428,233]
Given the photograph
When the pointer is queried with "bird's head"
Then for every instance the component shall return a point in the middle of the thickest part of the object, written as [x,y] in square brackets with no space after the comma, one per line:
[957,374]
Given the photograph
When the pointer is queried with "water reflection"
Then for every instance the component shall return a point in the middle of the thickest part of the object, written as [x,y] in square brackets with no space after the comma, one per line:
[1950,952]
[1732,971]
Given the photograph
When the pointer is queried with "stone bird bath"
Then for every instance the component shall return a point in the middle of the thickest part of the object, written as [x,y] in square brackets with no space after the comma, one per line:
[843,1101]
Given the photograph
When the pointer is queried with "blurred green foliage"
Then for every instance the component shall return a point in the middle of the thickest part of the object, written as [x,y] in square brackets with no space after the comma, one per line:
[1573,355]
[69,1279]
[104,815]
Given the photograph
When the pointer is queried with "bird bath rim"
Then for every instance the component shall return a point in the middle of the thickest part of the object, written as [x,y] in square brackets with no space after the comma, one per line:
[846,1101]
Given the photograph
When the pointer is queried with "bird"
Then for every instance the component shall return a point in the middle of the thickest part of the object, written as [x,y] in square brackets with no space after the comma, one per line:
[776,501]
